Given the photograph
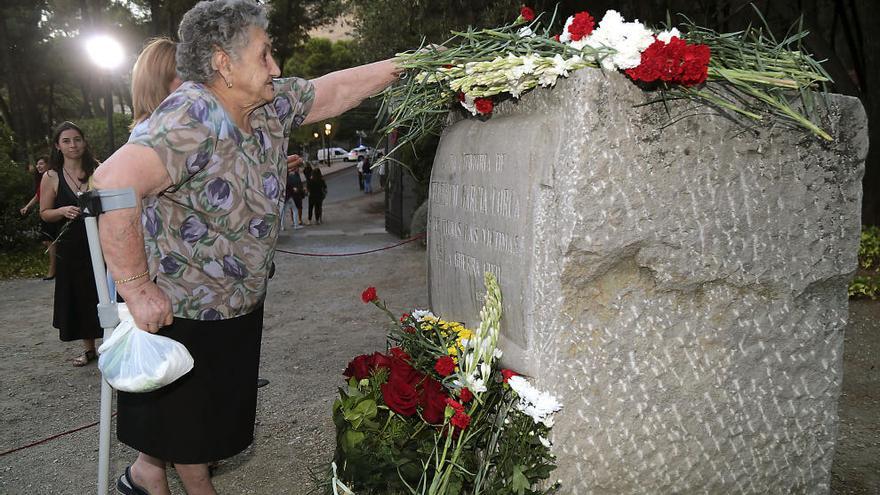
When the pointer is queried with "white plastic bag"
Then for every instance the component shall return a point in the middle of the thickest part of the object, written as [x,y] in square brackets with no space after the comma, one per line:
[133,360]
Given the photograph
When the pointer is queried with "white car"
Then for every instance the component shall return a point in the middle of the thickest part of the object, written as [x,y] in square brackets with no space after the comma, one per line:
[358,152]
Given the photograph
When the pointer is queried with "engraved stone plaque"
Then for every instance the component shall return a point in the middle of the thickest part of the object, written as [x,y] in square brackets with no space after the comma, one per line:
[681,287]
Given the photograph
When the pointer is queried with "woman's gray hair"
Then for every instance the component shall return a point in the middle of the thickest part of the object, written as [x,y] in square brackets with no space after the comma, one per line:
[213,24]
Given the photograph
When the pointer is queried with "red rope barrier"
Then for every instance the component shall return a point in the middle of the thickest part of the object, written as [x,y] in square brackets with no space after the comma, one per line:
[53,437]
[407,241]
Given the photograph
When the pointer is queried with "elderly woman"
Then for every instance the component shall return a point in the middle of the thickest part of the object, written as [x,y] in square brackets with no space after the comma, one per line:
[214,154]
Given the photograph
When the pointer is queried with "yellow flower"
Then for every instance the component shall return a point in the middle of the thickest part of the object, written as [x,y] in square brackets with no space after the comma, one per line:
[464,333]
[452,351]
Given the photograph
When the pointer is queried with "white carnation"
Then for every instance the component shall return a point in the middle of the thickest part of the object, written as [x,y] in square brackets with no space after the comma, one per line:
[666,36]
[420,314]
[532,402]
[627,39]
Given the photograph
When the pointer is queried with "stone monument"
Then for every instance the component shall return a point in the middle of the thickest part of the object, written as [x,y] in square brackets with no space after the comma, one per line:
[681,287]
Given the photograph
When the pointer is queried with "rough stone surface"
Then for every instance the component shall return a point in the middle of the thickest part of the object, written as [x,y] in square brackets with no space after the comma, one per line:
[681,287]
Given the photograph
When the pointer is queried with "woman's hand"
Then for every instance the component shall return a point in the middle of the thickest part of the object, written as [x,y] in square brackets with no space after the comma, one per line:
[70,212]
[149,305]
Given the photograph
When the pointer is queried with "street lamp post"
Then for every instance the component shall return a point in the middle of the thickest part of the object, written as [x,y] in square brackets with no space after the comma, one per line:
[327,128]
[107,54]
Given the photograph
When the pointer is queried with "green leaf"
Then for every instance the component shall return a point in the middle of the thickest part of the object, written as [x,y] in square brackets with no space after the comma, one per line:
[364,410]
[351,439]
[518,481]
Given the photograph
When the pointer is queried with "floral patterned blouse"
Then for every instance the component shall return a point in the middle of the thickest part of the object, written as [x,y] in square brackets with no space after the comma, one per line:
[211,236]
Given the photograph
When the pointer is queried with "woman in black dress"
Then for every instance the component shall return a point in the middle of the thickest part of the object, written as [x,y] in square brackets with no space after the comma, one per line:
[71,164]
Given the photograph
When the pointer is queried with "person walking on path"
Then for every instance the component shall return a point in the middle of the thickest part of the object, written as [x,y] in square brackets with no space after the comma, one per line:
[368,175]
[71,165]
[213,155]
[48,231]
[294,193]
[317,193]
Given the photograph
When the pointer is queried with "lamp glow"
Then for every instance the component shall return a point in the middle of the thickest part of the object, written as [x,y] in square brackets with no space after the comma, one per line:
[105,52]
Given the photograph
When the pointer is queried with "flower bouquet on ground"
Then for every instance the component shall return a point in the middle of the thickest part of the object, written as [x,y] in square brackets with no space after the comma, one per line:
[756,78]
[436,415]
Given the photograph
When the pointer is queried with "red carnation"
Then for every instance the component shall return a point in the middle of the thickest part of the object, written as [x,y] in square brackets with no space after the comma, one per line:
[433,401]
[527,14]
[404,317]
[444,366]
[484,105]
[465,395]
[556,37]
[673,62]
[369,295]
[581,26]
[409,329]
[460,96]
[400,396]
[460,420]
[507,374]
[454,404]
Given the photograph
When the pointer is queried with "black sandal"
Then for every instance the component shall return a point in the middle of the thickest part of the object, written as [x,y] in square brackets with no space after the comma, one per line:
[86,358]
[126,486]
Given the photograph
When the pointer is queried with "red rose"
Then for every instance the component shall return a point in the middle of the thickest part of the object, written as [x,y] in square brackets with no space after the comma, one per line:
[465,395]
[433,401]
[444,366]
[359,367]
[409,330]
[460,420]
[400,397]
[379,360]
[401,370]
[484,105]
[404,317]
[399,353]
[527,14]
[369,295]
[506,374]
[581,26]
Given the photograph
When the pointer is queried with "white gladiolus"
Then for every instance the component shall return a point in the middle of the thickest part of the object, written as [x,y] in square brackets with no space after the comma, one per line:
[544,442]
[468,104]
[534,403]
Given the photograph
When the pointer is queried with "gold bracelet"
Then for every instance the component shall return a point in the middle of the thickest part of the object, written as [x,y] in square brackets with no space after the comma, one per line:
[132,278]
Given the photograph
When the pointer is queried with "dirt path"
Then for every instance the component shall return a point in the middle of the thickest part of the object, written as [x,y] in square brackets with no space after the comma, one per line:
[314,324]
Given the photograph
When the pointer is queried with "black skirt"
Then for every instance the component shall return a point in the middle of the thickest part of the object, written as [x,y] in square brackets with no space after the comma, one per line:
[208,414]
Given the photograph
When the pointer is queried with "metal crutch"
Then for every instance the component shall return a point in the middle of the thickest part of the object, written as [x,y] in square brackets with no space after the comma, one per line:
[92,204]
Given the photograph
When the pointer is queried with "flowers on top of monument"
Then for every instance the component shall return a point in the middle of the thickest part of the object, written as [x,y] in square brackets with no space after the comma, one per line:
[752,76]
[433,413]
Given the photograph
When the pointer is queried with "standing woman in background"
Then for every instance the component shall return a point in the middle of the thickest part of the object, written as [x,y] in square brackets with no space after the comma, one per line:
[317,193]
[153,78]
[71,165]
[48,231]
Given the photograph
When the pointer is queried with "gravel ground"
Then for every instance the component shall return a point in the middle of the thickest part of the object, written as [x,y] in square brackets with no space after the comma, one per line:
[314,324]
